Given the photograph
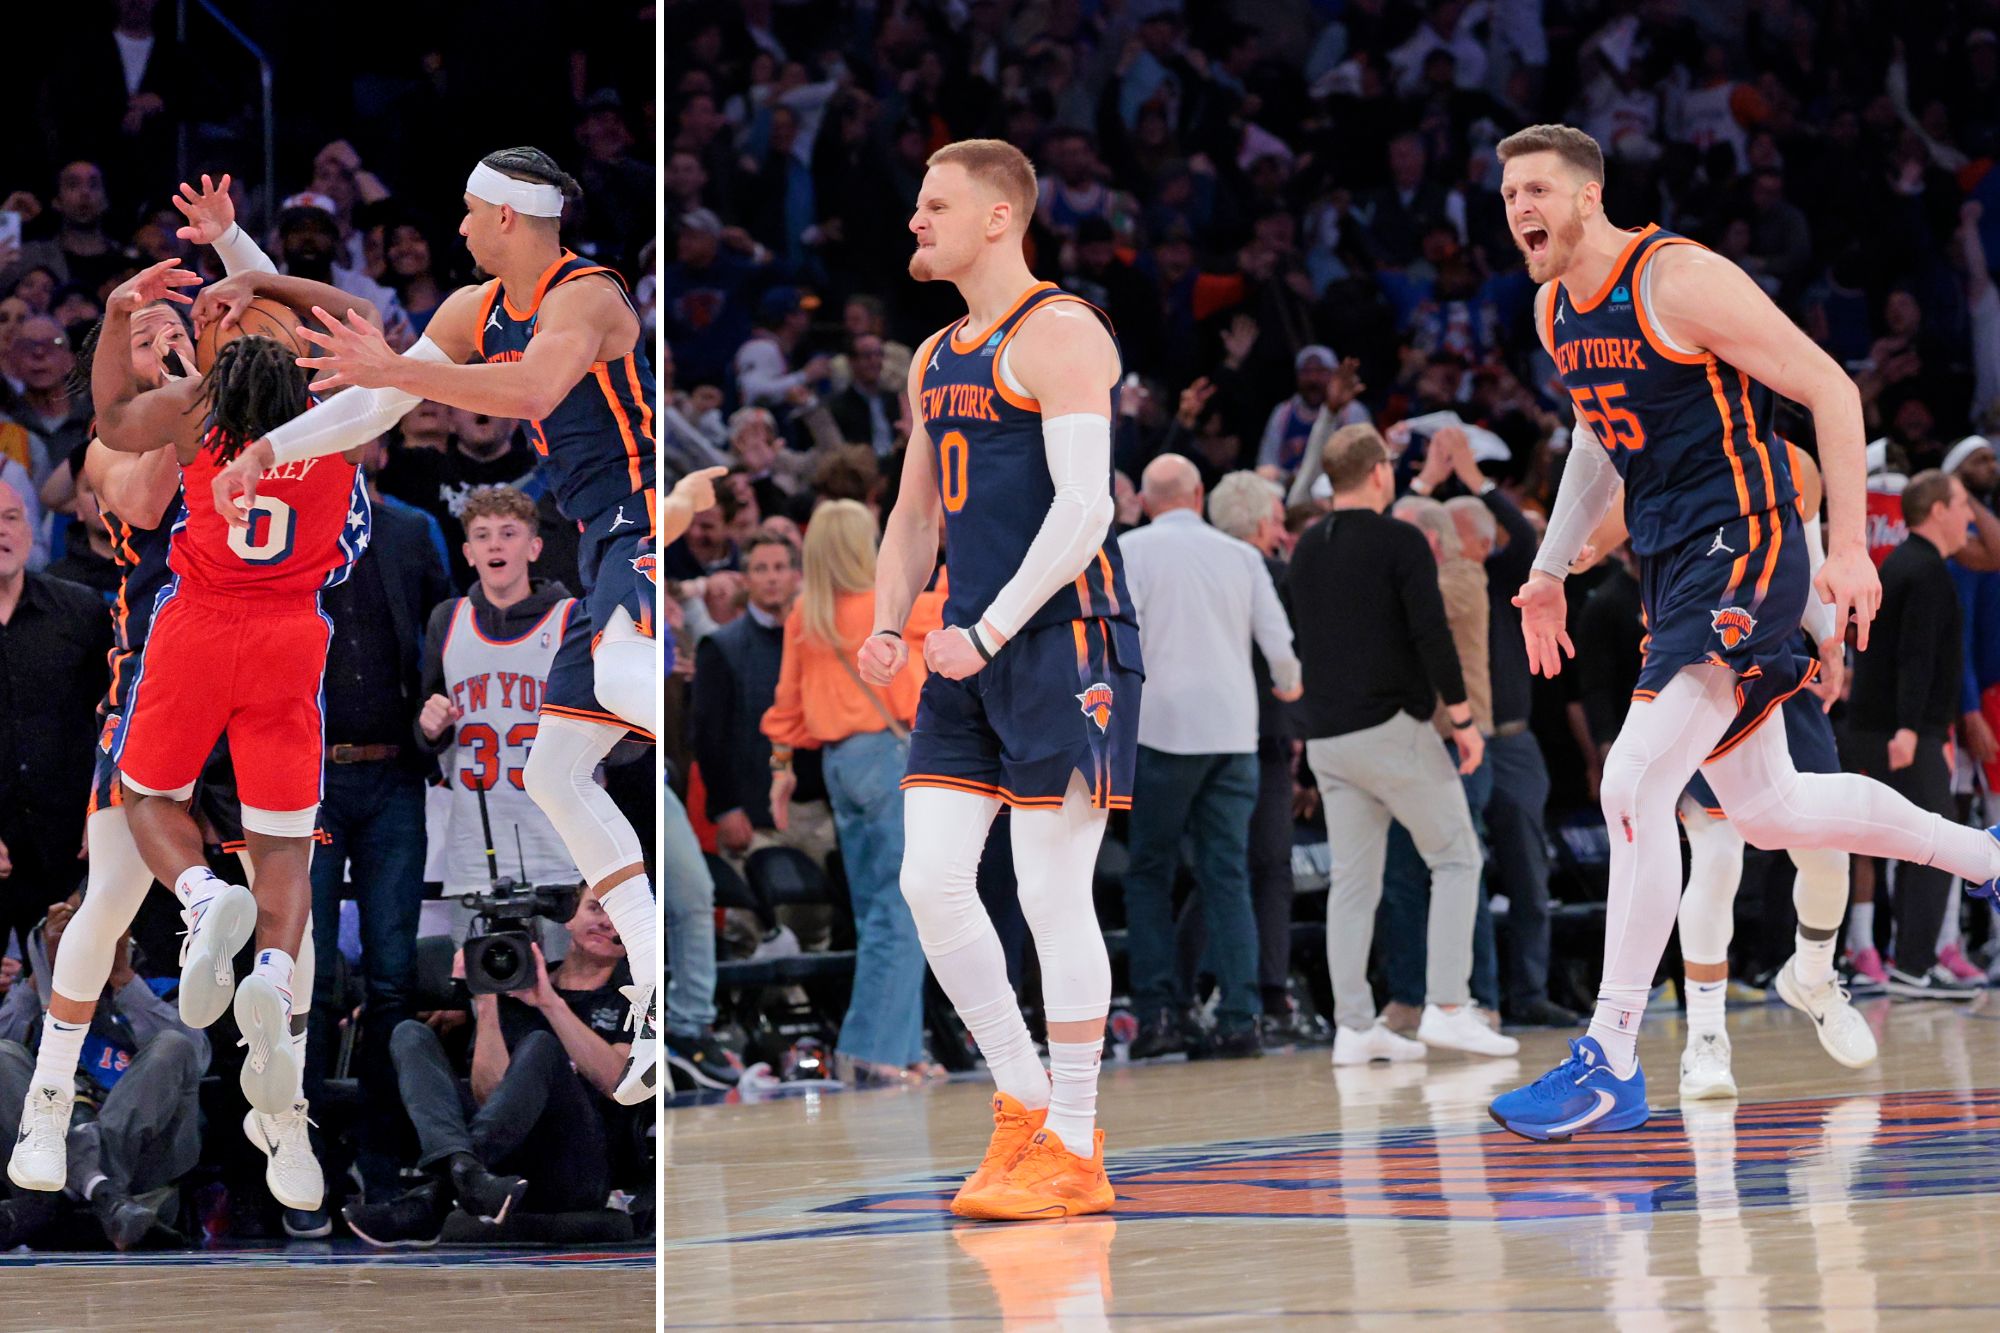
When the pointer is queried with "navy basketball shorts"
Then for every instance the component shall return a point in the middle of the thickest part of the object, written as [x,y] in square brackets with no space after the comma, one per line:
[616,563]
[1808,735]
[1732,596]
[1056,700]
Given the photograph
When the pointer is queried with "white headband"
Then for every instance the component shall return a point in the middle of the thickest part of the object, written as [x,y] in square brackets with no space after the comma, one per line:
[530,197]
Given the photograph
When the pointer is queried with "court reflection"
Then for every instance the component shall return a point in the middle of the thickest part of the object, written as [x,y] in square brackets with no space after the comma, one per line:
[1046,1274]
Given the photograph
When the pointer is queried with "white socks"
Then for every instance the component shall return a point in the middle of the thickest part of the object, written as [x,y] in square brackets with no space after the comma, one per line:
[1812,963]
[1705,1004]
[1615,1025]
[275,966]
[197,884]
[62,1047]
[1073,1094]
[632,911]
[1861,927]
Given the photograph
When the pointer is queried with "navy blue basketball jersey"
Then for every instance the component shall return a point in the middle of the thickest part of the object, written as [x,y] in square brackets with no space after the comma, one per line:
[993,474]
[1687,431]
[141,557]
[599,440]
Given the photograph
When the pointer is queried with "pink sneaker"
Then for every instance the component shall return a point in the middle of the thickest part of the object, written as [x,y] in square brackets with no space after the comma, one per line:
[1867,969]
[1954,958]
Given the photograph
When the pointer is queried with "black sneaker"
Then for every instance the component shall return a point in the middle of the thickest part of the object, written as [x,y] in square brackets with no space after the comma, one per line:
[486,1196]
[1542,1012]
[23,1216]
[1162,1035]
[1244,1043]
[703,1061]
[414,1221]
[303,1225]
[1937,984]
[126,1224]
[1292,1025]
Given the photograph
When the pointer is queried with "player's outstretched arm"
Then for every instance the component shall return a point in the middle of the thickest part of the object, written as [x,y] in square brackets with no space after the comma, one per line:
[211,215]
[1704,301]
[132,418]
[224,302]
[1066,361]
[579,323]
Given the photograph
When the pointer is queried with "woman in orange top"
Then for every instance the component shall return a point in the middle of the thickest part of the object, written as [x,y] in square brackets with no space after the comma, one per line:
[864,734]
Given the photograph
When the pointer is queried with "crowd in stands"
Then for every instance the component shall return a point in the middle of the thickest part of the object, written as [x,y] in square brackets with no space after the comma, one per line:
[417,1101]
[1290,214]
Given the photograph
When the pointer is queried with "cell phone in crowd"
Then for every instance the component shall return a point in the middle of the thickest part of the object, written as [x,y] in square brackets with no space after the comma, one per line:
[10,229]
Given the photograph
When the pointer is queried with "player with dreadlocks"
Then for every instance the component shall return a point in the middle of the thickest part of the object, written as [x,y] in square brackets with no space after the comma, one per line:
[551,339]
[138,499]
[238,648]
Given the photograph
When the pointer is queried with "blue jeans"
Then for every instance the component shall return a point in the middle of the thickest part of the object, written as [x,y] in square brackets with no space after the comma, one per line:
[1517,830]
[374,814]
[1205,799]
[690,905]
[885,1015]
[1406,895]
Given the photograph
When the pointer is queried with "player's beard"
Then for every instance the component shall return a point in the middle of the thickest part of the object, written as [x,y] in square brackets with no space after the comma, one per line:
[1563,245]
[920,266]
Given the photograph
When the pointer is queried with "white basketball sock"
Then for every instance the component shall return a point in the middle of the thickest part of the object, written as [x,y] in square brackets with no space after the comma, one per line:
[1861,927]
[1706,1001]
[1073,1094]
[275,966]
[62,1046]
[633,912]
[197,884]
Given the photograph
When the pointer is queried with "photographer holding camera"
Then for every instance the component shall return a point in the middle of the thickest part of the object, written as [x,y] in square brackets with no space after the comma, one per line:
[526,1121]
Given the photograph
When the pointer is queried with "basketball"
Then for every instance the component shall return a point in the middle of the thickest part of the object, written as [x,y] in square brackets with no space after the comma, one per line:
[263,317]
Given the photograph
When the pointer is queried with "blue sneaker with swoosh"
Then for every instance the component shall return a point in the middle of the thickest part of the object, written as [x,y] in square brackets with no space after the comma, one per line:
[1579,1096]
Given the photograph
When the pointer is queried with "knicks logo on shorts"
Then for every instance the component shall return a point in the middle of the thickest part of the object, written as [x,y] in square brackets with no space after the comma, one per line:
[107,740]
[1096,703]
[1732,624]
[647,564]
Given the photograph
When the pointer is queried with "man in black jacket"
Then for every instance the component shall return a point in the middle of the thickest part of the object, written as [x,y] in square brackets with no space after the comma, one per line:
[868,410]
[373,807]
[1906,696]
[1378,655]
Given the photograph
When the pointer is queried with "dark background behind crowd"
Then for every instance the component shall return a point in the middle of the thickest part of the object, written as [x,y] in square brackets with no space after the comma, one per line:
[1290,212]
[380,112]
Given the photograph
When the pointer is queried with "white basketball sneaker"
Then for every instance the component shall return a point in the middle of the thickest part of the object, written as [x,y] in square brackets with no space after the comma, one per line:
[271,1070]
[1460,1028]
[217,927]
[1842,1030]
[290,1170]
[642,1067]
[1705,1067]
[1359,1046]
[41,1157]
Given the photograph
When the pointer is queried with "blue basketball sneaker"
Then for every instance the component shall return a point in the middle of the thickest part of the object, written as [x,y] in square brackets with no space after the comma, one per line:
[1580,1095]
[1990,890]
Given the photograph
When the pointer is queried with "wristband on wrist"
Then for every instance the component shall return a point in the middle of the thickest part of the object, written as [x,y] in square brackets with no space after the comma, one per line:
[979,644]
[1467,725]
[892,633]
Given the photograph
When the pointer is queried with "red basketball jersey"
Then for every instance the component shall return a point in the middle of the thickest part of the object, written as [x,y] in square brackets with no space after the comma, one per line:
[308,525]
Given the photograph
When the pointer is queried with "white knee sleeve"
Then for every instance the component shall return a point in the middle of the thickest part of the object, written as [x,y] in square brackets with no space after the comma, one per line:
[1055,864]
[1708,907]
[625,672]
[944,833]
[1819,894]
[116,887]
[561,779]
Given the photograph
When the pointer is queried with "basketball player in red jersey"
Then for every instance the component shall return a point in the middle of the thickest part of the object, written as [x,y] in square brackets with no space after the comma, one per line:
[552,340]
[237,647]
[1671,353]
[1034,697]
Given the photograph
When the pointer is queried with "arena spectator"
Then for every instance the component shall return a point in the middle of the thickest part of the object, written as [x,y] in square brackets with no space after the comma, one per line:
[1204,601]
[870,408]
[81,252]
[528,1123]
[445,454]
[765,376]
[137,1128]
[41,359]
[54,637]
[863,736]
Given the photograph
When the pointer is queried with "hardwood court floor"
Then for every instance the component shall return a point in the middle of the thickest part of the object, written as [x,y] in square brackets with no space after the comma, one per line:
[313,1286]
[1285,1193]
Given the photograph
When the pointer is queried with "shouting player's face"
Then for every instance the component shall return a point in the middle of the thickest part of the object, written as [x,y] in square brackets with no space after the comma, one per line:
[1546,203]
[954,221]
[157,333]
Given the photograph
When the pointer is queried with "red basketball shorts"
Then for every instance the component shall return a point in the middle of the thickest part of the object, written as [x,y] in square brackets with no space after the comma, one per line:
[250,668]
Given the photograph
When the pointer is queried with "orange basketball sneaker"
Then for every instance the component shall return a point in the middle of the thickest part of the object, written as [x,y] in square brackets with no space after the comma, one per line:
[1013,1125]
[1046,1180]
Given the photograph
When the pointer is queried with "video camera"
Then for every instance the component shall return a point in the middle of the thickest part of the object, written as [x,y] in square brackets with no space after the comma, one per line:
[499,952]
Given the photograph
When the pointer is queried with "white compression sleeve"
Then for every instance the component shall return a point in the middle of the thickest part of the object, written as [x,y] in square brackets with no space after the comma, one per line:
[1078,449]
[240,254]
[349,419]
[1818,618]
[1589,485]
